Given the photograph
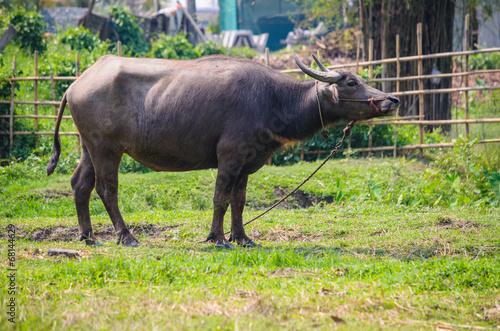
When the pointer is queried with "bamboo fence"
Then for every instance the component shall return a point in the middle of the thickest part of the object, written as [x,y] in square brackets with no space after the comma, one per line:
[396,121]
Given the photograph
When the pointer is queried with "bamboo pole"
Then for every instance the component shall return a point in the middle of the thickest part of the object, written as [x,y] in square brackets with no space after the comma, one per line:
[357,54]
[53,88]
[420,85]
[119,47]
[18,102]
[456,74]
[370,139]
[436,91]
[447,90]
[36,97]
[389,79]
[393,121]
[12,95]
[434,122]
[33,116]
[406,59]
[267,56]
[407,147]
[42,78]
[398,71]
[467,38]
[77,60]
[42,133]
[78,143]
[370,58]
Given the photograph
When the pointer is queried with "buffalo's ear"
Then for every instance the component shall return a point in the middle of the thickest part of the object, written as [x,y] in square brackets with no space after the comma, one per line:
[330,92]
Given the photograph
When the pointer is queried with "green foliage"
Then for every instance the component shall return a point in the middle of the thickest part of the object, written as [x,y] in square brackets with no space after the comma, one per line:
[30,27]
[79,38]
[466,176]
[209,48]
[484,61]
[247,52]
[377,72]
[129,32]
[128,165]
[330,12]
[22,144]
[173,47]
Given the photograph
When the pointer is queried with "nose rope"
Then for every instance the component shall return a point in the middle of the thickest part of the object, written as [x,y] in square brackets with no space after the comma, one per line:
[324,133]
[370,100]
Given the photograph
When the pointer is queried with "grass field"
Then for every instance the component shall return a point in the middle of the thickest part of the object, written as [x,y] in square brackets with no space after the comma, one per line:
[367,244]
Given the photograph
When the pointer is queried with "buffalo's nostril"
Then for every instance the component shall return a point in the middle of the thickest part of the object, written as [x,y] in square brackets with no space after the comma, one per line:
[394,99]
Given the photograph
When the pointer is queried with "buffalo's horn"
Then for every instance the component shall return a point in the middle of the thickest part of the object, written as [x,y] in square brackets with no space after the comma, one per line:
[330,77]
[320,65]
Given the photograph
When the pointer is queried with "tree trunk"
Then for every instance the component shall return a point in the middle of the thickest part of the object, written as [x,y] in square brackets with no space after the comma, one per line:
[382,20]
[191,33]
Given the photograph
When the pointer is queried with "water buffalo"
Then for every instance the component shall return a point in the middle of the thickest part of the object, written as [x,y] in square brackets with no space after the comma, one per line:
[213,112]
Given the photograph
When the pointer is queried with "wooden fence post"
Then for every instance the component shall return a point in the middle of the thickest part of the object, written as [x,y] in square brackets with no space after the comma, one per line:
[119,47]
[398,72]
[77,60]
[12,95]
[420,86]
[467,76]
[36,98]
[370,58]
[54,96]
[357,54]
[267,56]
[370,140]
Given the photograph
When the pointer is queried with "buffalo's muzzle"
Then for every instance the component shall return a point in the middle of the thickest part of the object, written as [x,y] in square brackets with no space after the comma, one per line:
[394,100]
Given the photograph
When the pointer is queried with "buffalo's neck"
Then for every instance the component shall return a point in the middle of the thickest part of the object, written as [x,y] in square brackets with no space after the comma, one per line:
[297,118]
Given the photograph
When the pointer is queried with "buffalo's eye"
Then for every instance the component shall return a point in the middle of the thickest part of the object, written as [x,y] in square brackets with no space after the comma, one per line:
[351,83]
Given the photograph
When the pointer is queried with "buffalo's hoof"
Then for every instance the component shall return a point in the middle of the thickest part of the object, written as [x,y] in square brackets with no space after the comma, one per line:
[128,240]
[250,244]
[94,243]
[132,244]
[223,245]
[89,241]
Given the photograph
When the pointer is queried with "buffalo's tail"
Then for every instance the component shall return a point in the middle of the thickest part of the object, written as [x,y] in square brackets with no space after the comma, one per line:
[57,144]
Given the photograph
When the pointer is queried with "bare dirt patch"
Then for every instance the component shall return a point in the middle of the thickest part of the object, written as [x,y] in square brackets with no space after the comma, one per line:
[54,194]
[104,232]
[448,222]
[290,235]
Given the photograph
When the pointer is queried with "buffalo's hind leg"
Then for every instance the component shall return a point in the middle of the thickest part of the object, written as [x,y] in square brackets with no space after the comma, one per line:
[238,198]
[83,182]
[106,170]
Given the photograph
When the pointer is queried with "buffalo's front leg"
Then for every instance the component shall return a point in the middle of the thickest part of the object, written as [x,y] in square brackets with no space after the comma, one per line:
[226,179]
[238,198]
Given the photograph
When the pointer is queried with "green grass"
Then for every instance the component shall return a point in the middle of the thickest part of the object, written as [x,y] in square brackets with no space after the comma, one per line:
[373,260]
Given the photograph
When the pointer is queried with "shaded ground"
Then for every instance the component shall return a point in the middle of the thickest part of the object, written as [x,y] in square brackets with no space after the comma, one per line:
[299,199]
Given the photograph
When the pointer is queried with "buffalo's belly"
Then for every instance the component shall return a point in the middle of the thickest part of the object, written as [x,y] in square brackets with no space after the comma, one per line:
[168,161]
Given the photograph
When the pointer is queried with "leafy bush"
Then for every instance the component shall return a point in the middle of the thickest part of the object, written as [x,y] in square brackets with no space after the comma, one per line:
[30,27]
[209,48]
[466,176]
[22,144]
[247,52]
[173,47]
[485,61]
[129,32]
[79,38]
